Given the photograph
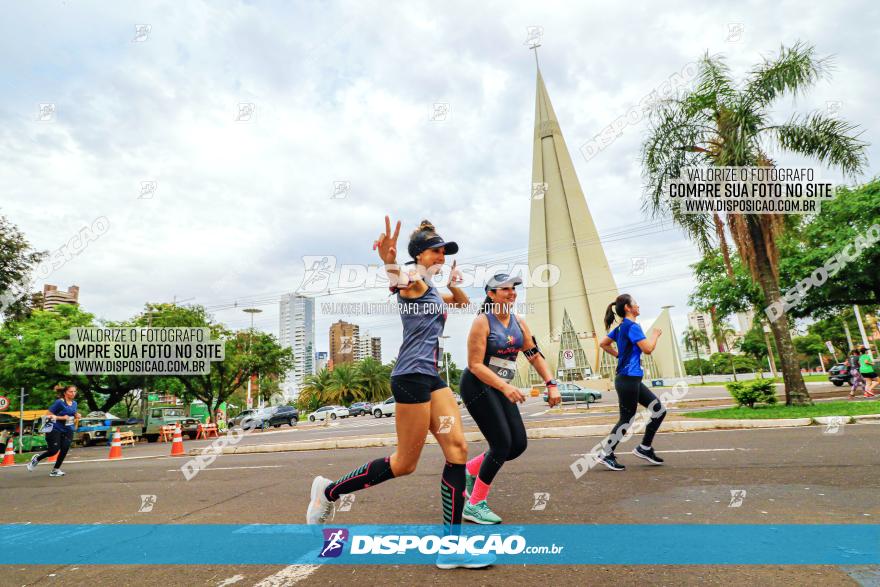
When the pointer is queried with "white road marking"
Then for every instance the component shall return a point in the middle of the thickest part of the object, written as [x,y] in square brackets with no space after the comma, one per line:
[706,449]
[228,468]
[70,462]
[289,575]
[580,454]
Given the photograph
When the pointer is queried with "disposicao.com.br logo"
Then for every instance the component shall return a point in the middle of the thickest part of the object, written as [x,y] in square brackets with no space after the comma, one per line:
[334,542]
[397,544]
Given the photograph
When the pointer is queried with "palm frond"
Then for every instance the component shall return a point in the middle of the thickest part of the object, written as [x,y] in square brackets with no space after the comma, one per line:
[831,141]
[793,71]
[714,86]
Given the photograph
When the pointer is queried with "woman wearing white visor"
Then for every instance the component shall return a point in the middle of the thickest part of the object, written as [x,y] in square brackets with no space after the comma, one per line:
[496,338]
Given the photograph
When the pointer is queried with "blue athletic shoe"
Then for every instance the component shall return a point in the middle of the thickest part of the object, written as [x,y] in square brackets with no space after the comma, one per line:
[465,561]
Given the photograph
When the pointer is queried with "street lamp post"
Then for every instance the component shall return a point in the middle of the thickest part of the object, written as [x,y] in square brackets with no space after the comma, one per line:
[445,357]
[250,311]
[20,414]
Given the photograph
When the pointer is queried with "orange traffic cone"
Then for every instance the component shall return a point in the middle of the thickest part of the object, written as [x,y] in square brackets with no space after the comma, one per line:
[116,446]
[177,444]
[52,459]
[9,457]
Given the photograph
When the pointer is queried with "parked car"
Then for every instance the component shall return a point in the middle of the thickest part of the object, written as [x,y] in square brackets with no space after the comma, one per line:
[284,415]
[256,417]
[839,374]
[386,408]
[571,392]
[98,429]
[331,412]
[360,408]
[236,421]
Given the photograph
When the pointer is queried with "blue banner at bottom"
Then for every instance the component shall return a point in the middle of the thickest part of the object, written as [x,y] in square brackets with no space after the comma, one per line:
[630,544]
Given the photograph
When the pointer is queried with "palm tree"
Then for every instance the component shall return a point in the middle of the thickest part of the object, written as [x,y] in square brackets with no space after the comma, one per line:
[315,391]
[726,333]
[723,124]
[375,379]
[694,338]
[344,385]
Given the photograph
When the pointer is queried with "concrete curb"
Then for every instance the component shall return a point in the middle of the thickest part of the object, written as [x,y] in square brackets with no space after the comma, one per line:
[833,420]
[550,432]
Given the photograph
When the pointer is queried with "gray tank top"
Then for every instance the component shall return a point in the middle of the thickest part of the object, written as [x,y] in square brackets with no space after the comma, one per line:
[423,321]
[503,346]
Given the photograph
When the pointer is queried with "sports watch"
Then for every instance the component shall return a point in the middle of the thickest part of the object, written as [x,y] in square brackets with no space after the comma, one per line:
[550,382]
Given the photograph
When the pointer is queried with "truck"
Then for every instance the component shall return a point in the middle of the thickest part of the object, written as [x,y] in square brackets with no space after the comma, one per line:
[157,416]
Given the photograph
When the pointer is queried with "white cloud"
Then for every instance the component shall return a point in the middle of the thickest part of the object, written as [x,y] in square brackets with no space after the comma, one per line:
[344,92]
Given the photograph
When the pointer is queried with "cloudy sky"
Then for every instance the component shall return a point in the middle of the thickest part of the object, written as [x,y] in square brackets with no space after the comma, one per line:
[346,92]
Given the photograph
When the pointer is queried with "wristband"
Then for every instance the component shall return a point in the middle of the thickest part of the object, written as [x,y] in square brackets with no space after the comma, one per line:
[551,383]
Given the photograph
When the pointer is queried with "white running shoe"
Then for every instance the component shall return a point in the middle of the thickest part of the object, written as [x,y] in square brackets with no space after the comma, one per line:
[56,473]
[33,464]
[320,508]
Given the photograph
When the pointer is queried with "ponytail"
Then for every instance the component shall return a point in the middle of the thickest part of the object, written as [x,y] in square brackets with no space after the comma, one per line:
[486,306]
[618,306]
[609,316]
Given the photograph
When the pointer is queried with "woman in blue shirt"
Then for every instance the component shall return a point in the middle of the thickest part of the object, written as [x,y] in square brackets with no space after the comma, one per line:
[64,420]
[631,342]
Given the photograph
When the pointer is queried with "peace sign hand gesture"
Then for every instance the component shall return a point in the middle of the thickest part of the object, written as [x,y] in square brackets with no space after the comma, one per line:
[386,244]
[455,276]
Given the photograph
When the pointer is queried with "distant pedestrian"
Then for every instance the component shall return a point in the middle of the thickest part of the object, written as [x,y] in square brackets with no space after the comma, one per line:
[856,380]
[64,421]
[866,368]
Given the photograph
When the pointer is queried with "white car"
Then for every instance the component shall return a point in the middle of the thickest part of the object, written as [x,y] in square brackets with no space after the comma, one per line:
[331,412]
[386,408]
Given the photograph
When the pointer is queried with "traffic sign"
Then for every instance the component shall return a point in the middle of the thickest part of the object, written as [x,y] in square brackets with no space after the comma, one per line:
[4,402]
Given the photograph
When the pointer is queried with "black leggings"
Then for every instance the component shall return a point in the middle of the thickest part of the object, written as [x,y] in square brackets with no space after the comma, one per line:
[59,442]
[499,421]
[631,393]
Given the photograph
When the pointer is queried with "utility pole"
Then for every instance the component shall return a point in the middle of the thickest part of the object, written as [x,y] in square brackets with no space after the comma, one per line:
[862,331]
[849,339]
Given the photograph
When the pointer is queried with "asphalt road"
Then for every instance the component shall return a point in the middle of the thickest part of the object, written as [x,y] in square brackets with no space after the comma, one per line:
[793,475]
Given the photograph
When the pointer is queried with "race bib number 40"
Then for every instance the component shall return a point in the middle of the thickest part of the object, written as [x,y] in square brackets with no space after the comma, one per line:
[505,369]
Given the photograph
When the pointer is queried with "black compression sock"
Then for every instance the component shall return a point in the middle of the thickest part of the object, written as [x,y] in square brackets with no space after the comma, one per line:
[368,474]
[452,486]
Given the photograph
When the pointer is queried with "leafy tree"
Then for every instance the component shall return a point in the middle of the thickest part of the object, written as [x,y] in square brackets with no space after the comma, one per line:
[833,328]
[809,346]
[754,345]
[17,261]
[722,123]
[246,353]
[30,361]
[698,367]
[844,222]
[715,289]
